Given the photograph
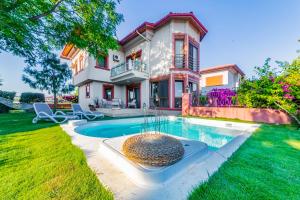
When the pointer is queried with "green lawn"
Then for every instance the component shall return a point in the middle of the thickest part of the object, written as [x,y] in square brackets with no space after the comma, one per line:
[38,161]
[267,166]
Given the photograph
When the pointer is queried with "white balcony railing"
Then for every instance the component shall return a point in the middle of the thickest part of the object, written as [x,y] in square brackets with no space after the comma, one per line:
[136,65]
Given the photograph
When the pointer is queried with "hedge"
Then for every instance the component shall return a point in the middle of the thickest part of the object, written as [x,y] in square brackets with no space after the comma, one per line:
[6,95]
[30,97]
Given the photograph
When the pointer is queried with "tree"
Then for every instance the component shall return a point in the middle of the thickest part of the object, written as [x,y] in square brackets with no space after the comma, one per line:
[50,75]
[32,28]
[273,87]
[1,81]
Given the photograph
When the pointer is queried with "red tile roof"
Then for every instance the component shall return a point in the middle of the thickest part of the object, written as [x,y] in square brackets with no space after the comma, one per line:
[153,26]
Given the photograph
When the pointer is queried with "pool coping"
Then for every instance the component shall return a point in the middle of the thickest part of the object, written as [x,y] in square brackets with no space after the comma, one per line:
[179,187]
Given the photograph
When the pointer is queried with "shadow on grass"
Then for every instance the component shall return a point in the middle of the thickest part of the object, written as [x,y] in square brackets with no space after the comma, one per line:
[20,122]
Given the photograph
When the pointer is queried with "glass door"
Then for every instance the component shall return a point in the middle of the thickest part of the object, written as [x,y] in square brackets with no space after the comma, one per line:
[178,94]
[133,97]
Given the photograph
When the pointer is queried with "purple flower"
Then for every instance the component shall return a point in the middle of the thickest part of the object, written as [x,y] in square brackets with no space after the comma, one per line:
[288,96]
[285,88]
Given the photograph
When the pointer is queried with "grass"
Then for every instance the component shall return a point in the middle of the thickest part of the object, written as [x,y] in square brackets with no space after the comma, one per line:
[267,166]
[38,161]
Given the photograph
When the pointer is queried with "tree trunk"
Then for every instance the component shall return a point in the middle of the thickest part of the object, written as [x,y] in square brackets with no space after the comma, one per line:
[55,102]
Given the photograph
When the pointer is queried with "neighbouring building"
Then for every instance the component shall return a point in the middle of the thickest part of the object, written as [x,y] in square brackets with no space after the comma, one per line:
[223,76]
[156,62]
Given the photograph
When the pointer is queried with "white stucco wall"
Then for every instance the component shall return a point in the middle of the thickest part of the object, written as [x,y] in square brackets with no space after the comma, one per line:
[161,51]
[83,101]
[111,62]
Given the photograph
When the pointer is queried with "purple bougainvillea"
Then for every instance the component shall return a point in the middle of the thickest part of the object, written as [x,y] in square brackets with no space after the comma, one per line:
[221,97]
[285,88]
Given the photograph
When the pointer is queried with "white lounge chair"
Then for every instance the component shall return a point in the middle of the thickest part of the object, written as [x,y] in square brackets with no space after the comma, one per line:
[132,104]
[77,110]
[44,112]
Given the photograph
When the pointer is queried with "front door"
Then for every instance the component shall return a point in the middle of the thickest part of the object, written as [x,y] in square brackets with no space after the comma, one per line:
[133,96]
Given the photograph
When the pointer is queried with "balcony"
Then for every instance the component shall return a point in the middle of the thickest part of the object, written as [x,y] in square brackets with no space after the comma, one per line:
[129,72]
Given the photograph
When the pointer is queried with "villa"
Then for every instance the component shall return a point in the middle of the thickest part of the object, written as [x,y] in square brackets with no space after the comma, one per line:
[154,65]
[150,124]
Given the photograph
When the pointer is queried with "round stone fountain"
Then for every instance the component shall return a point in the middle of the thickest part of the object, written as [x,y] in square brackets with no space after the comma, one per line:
[153,149]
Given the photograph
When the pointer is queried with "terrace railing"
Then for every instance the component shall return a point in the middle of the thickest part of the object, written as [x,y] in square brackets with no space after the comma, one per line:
[128,66]
[179,61]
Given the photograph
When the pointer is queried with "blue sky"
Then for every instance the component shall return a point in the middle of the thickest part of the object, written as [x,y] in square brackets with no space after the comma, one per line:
[241,32]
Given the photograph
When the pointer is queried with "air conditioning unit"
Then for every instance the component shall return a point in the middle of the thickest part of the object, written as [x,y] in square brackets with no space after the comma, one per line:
[116,58]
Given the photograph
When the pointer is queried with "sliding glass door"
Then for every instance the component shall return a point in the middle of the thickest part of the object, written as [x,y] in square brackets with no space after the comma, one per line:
[159,94]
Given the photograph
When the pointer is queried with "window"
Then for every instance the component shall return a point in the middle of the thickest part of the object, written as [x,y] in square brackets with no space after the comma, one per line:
[87,90]
[101,62]
[108,92]
[74,67]
[192,87]
[81,63]
[178,93]
[179,59]
[163,93]
[214,80]
[193,57]
[154,94]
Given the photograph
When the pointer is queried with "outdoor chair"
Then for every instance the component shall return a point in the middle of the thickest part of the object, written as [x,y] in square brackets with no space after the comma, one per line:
[78,111]
[44,112]
[132,104]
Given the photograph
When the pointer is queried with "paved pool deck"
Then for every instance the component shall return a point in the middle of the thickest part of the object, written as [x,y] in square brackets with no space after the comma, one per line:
[179,187]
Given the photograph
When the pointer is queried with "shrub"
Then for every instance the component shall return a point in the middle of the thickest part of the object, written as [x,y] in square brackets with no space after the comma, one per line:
[277,88]
[6,95]
[30,97]
[272,87]
[203,100]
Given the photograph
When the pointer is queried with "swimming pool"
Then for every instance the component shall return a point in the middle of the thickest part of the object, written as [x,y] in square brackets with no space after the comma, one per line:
[214,137]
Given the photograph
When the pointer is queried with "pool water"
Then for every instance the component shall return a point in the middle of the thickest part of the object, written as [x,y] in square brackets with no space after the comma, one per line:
[212,136]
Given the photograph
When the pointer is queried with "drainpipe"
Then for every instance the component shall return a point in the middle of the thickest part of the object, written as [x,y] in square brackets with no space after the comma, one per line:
[148,62]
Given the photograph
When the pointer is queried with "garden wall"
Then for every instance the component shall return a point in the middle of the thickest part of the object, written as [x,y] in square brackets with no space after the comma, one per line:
[247,114]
